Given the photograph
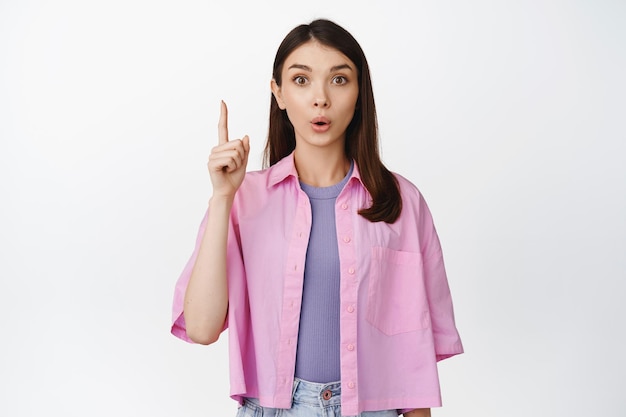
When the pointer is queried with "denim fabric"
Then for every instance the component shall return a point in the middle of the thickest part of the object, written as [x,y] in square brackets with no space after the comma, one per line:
[309,399]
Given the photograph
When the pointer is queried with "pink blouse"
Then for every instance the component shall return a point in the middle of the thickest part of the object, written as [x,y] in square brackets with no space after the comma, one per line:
[396,314]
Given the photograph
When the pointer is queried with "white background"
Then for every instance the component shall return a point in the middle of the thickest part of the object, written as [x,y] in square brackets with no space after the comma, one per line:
[509,116]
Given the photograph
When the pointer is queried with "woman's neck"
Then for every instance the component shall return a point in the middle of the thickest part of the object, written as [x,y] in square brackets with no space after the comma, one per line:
[321,168]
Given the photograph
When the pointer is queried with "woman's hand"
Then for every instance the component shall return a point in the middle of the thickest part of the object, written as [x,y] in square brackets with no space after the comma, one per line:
[228,160]
[420,412]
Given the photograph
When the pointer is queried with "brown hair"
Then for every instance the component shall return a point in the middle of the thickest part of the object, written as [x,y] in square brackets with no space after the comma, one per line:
[362,132]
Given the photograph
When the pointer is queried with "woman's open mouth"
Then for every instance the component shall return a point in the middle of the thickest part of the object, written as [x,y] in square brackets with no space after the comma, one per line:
[320,124]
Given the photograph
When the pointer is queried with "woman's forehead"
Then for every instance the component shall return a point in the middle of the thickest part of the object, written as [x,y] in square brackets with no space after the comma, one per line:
[316,56]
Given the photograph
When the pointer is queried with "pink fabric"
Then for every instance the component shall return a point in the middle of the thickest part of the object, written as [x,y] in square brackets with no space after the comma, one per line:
[396,314]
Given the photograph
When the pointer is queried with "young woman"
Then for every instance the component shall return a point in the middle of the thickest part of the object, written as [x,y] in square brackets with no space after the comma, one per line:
[325,266]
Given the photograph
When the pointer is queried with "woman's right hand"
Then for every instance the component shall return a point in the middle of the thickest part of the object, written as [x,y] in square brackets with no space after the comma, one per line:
[228,160]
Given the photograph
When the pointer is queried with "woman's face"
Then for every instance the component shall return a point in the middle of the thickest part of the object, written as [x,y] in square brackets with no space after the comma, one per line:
[319,91]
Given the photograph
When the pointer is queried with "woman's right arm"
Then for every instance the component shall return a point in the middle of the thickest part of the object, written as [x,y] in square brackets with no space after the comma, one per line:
[206,296]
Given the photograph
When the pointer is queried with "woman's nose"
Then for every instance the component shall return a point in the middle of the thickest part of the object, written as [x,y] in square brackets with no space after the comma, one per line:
[321,102]
[320,96]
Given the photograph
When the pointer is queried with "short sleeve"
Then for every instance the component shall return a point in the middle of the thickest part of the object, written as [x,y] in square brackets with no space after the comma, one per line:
[446,337]
[235,275]
[178,319]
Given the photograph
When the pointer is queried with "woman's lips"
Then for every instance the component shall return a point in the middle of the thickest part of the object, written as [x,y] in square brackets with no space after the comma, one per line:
[320,124]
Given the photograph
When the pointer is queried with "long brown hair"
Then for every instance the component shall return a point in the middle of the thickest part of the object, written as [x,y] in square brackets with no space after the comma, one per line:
[362,132]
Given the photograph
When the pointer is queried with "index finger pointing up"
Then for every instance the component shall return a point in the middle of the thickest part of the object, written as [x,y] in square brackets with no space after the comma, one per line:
[222,125]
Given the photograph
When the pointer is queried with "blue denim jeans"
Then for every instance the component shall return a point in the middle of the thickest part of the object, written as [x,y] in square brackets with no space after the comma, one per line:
[309,399]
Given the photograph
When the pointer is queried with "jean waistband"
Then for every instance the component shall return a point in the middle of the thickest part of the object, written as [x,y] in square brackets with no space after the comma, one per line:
[312,394]
[316,394]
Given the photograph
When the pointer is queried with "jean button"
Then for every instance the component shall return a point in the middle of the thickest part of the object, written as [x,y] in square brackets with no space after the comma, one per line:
[327,395]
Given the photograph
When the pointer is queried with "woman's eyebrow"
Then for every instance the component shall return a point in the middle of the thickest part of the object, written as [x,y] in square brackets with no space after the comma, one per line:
[340,67]
[332,69]
[302,67]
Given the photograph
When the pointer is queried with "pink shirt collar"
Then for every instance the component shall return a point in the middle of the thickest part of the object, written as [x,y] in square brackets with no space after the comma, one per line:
[286,168]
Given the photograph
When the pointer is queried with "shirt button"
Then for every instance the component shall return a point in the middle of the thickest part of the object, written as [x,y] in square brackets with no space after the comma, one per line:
[351,271]
[351,384]
[351,347]
[350,309]
[344,206]
[346,239]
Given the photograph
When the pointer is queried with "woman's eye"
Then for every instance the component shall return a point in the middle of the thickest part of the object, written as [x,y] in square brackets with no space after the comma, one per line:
[299,80]
[340,80]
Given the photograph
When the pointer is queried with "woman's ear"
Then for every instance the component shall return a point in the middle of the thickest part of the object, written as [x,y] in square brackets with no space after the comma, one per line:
[277,94]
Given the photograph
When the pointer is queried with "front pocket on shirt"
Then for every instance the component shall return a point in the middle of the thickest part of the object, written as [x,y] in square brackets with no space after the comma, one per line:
[396,296]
